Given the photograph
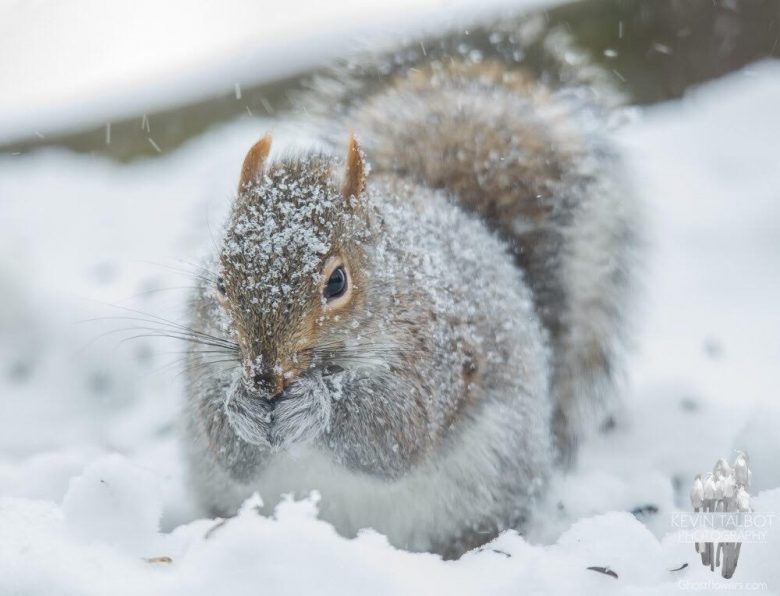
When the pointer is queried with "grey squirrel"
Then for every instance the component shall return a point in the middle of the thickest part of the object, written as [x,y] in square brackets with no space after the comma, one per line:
[422,340]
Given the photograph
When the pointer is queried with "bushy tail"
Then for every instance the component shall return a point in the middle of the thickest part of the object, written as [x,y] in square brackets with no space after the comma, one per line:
[511,120]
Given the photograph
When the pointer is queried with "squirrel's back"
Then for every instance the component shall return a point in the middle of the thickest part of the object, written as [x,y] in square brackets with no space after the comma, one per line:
[526,147]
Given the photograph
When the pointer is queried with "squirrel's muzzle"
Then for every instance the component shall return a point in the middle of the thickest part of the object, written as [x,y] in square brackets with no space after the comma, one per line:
[266,383]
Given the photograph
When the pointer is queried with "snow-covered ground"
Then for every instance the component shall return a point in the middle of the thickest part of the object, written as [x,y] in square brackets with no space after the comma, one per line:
[91,482]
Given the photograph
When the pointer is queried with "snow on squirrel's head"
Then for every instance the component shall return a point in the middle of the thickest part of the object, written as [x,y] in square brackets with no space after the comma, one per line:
[291,260]
[305,302]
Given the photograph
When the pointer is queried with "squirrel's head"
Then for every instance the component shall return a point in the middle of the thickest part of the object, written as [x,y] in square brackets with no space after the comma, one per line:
[291,262]
[328,301]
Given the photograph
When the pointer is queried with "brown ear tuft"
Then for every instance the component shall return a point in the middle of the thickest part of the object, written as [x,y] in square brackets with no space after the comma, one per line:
[252,168]
[355,175]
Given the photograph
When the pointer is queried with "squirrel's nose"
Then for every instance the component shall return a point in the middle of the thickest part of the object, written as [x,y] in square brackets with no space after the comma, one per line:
[275,383]
[269,383]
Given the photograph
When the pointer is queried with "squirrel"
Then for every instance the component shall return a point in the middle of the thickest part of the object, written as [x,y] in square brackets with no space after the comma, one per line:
[422,340]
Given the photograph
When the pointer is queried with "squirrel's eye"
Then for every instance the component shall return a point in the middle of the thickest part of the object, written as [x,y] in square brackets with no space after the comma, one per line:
[221,286]
[337,284]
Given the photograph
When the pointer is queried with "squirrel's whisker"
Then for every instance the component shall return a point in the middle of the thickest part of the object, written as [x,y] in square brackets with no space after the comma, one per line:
[163,323]
[206,275]
[158,290]
[193,340]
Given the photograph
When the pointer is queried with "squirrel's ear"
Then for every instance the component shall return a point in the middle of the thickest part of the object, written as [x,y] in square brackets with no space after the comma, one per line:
[355,175]
[253,162]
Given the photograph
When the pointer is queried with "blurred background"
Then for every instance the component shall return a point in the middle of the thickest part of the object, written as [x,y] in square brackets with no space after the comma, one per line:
[122,128]
[96,77]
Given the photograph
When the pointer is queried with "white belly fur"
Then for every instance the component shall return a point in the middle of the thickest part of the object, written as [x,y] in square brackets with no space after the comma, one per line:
[432,504]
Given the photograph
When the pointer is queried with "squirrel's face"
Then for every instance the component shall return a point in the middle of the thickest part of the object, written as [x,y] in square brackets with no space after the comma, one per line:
[291,265]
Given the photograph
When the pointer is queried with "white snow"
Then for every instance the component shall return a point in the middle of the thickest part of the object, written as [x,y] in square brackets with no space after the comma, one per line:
[89,460]
[67,64]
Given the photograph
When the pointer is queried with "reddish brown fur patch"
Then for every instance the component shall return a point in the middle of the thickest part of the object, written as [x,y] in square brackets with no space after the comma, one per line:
[253,162]
[355,176]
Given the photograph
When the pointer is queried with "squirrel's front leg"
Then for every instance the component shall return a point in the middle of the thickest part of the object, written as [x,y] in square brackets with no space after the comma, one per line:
[234,431]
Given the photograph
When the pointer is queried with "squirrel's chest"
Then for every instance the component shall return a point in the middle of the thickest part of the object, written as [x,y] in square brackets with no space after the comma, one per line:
[413,512]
